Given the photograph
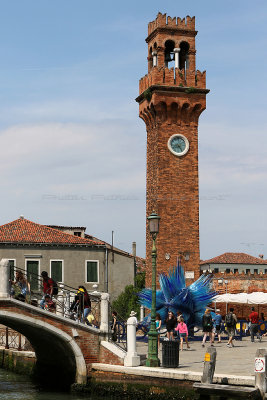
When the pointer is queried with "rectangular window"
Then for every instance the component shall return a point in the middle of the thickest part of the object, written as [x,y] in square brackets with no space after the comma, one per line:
[56,270]
[255,271]
[235,270]
[265,271]
[227,270]
[92,271]
[247,271]
[12,264]
[32,269]
[216,270]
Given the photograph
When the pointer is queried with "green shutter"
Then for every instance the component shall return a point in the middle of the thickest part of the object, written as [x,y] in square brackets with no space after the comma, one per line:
[32,274]
[92,271]
[56,271]
[12,269]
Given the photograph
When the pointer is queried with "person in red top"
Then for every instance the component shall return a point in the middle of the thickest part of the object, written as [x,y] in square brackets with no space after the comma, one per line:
[48,287]
[254,327]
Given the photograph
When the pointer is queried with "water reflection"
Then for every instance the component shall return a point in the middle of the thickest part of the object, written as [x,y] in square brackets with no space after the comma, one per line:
[18,387]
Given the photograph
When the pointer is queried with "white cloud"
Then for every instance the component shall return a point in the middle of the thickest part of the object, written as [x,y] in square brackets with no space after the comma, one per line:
[75,174]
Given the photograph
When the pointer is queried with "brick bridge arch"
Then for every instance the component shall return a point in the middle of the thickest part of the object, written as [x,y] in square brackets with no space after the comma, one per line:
[64,348]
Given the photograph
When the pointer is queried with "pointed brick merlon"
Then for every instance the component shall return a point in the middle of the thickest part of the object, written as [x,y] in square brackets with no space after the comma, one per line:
[162,20]
[165,76]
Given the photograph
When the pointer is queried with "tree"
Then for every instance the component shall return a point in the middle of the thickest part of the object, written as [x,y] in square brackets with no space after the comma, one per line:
[128,300]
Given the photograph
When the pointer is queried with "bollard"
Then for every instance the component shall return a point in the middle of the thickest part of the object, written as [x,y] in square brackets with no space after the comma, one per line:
[209,365]
[260,371]
[131,359]
[104,315]
[4,278]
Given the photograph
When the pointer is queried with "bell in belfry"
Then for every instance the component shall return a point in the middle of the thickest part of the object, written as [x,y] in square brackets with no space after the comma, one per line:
[169,57]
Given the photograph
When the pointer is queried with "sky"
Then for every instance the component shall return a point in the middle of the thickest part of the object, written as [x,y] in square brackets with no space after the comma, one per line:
[73,150]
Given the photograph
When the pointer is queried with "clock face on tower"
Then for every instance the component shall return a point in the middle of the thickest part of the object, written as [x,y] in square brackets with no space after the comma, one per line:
[178,145]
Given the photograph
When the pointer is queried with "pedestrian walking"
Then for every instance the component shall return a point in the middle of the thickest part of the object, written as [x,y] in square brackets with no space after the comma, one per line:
[49,287]
[158,326]
[20,287]
[81,304]
[207,326]
[217,329]
[183,332]
[254,324]
[230,322]
[114,326]
[171,323]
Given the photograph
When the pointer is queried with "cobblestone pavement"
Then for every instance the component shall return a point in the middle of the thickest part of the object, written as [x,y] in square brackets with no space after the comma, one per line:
[238,360]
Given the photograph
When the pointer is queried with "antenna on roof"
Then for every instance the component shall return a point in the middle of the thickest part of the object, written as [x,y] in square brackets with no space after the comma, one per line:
[21,216]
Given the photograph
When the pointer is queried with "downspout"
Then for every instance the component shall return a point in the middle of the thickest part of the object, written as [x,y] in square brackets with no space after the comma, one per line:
[134,255]
[106,271]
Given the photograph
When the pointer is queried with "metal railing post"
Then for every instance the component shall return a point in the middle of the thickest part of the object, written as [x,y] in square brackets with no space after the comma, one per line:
[19,347]
[6,346]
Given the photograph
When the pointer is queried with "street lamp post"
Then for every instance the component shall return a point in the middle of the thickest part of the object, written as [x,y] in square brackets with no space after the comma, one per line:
[225,281]
[152,358]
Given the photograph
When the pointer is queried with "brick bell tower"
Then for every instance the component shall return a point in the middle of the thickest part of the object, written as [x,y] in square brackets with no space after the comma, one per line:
[171,98]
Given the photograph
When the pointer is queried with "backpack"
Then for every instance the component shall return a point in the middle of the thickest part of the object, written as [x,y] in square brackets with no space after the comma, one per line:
[229,320]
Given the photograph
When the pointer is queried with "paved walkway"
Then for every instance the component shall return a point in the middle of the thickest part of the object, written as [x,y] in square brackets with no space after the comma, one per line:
[238,360]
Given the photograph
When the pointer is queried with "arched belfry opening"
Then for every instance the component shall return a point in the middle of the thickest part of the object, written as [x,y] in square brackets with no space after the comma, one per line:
[183,55]
[169,53]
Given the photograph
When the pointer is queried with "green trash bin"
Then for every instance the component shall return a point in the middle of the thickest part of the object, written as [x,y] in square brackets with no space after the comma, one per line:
[170,354]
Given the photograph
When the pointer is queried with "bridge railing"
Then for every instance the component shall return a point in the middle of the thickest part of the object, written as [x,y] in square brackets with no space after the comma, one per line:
[10,339]
[118,331]
[65,302]
[13,286]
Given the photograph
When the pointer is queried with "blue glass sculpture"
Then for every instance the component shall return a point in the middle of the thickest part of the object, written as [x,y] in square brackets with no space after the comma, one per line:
[175,296]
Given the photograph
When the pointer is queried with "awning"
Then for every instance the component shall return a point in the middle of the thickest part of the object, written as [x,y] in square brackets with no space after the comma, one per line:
[242,298]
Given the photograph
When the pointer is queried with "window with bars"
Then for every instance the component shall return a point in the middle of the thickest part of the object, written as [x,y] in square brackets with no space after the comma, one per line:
[92,271]
[56,268]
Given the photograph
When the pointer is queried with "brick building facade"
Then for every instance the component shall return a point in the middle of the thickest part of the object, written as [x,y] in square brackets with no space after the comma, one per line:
[238,273]
[171,98]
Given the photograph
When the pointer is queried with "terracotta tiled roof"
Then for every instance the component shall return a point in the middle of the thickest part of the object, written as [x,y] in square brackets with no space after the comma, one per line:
[234,258]
[24,231]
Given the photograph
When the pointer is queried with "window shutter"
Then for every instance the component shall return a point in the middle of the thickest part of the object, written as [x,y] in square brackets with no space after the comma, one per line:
[92,271]
[56,271]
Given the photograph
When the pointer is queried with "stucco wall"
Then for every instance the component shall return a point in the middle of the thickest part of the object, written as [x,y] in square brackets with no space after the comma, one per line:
[120,273]
[232,267]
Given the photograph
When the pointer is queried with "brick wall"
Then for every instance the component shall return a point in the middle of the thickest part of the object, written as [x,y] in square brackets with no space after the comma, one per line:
[106,357]
[172,182]
[241,283]
[87,341]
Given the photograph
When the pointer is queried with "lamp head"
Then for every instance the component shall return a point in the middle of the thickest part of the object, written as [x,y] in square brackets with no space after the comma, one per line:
[153,221]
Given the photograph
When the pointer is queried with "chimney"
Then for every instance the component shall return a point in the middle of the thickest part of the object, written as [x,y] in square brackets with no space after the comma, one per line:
[261,256]
[134,249]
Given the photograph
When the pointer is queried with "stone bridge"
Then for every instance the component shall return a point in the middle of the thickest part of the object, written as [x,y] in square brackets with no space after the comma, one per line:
[65,349]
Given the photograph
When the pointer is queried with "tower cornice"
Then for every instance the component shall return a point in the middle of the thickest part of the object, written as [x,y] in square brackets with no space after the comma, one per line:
[173,89]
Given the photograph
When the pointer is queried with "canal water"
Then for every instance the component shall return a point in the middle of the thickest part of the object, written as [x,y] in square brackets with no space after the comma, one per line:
[18,387]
